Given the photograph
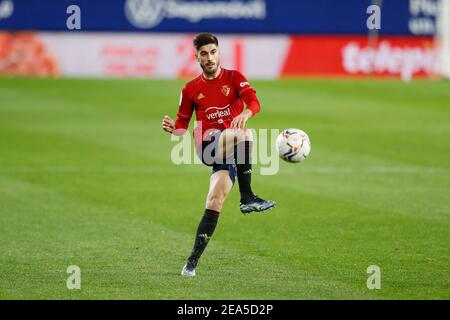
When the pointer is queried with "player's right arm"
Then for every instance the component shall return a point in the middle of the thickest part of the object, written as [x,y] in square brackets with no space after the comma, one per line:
[184,114]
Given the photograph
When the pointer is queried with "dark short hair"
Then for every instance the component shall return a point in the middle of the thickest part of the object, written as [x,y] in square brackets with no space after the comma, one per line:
[204,38]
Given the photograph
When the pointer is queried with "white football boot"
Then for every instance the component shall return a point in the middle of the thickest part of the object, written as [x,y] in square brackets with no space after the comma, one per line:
[188,271]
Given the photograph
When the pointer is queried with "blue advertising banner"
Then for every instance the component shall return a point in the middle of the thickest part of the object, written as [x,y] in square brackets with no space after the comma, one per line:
[395,17]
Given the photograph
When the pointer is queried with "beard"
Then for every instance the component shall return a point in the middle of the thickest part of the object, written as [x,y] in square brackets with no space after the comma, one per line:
[210,70]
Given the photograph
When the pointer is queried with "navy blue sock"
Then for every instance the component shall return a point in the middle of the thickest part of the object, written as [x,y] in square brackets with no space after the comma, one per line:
[204,233]
[243,158]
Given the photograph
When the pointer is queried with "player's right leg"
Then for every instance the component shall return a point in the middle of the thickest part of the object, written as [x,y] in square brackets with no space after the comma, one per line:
[219,188]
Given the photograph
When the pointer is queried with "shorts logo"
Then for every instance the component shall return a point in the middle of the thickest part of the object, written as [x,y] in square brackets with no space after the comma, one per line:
[226,90]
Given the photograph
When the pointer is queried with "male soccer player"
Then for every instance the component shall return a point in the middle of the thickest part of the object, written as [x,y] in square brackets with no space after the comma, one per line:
[222,141]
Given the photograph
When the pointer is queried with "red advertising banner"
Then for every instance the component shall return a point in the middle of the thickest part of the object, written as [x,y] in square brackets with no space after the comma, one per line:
[358,55]
[24,53]
[172,56]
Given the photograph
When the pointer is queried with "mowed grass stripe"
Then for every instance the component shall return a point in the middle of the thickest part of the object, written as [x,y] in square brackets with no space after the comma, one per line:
[74,236]
[375,190]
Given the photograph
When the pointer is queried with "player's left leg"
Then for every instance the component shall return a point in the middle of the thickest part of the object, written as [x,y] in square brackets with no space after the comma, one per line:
[243,159]
[239,142]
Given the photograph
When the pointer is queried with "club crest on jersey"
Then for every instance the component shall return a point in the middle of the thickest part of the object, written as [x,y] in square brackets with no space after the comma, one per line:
[226,90]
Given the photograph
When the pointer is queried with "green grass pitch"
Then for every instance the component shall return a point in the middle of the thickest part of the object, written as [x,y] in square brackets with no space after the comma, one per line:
[86,179]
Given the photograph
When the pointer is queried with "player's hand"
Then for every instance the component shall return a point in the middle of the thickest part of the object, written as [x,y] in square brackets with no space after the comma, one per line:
[168,124]
[240,121]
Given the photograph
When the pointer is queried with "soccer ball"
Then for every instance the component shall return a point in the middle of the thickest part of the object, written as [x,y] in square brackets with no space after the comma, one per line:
[293,145]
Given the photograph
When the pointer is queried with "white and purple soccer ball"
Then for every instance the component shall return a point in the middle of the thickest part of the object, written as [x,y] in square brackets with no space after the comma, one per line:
[293,145]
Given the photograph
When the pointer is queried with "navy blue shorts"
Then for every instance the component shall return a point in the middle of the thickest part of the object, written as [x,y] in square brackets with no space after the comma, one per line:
[207,153]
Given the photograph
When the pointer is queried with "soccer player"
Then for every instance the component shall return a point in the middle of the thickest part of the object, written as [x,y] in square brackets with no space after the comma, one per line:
[221,137]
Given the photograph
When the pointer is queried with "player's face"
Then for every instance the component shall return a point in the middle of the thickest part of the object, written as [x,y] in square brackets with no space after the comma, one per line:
[209,58]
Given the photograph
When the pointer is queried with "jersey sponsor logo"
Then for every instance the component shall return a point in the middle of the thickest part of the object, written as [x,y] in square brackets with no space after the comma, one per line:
[226,90]
[213,113]
[243,84]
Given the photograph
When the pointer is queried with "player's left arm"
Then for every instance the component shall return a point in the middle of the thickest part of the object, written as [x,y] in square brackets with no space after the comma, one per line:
[248,95]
